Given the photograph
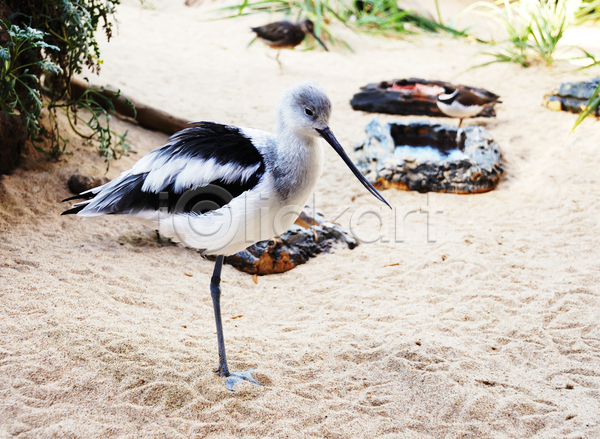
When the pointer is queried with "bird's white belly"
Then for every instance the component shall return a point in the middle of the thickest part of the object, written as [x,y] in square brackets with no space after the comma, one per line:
[254,216]
[457,110]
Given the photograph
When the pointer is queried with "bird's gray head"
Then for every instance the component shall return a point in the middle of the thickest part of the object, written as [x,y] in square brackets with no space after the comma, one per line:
[304,109]
[307,26]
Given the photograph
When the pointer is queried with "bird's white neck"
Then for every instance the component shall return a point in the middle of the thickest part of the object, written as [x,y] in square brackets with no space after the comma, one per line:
[298,166]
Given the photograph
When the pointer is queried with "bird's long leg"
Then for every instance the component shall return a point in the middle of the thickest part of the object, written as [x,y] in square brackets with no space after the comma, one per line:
[215,292]
[277,59]
[231,379]
[459,123]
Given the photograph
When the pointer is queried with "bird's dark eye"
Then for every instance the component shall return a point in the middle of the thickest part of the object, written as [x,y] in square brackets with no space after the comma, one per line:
[308,111]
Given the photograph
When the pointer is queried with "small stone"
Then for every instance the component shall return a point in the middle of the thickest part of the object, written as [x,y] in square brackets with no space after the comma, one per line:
[79,183]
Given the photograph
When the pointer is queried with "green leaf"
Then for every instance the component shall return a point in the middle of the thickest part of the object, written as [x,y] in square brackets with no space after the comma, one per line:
[591,106]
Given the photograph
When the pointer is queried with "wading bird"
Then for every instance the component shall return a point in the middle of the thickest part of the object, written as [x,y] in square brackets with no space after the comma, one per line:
[220,188]
[285,34]
[462,103]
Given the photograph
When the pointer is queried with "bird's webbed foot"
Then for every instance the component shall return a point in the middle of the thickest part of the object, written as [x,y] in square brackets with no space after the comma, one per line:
[235,377]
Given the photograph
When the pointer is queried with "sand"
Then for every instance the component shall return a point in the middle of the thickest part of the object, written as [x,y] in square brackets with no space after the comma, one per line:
[491,330]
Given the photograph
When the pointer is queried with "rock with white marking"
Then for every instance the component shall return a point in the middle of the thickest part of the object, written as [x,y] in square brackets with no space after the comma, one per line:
[428,157]
[411,96]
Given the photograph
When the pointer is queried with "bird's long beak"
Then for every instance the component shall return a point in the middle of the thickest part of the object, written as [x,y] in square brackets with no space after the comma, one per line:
[320,42]
[330,138]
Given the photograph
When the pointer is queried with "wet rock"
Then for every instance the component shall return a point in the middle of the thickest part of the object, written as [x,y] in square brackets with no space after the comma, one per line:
[79,183]
[411,96]
[309,237]
[572,96]
[428,157]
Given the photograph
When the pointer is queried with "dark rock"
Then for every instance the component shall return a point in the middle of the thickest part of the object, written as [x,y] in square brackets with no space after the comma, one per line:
[428,157]
[572,96]
[400,96]
[79,183]
[12,138]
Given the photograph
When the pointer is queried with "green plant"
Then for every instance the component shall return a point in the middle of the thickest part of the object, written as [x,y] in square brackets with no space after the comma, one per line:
[385,17]
[588,60]
[96,115]
[64,35]
[533,28]
[588,11]
[19,89]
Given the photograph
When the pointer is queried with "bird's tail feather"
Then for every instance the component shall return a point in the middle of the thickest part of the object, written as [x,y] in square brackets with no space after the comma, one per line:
[74,210]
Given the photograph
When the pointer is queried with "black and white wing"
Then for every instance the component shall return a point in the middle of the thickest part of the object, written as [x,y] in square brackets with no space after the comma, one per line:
[204,154]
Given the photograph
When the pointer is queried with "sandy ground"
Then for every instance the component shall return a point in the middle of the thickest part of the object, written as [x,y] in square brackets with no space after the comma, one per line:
[491,331]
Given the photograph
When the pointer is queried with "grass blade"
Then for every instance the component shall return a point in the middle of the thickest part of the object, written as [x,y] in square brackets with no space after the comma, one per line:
[591,106]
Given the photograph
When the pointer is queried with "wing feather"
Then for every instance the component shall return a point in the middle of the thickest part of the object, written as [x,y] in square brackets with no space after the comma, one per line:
[206,153]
